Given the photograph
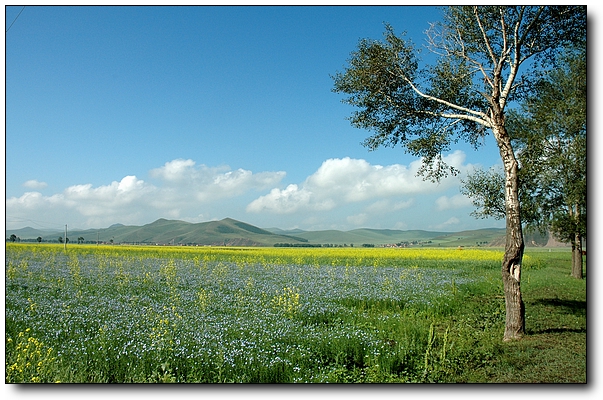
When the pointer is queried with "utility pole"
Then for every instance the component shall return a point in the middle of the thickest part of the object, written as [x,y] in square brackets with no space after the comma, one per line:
[65,241]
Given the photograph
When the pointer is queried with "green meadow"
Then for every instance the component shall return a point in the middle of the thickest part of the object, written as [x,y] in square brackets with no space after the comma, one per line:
[283,315]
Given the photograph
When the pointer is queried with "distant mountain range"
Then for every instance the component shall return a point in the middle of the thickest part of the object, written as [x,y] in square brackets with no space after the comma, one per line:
[227,232]
[230,232]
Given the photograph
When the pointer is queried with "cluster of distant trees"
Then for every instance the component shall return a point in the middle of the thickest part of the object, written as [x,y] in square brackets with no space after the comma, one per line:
[14,238]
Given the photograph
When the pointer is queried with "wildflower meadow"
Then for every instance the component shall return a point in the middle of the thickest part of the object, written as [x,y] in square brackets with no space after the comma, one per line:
[262,315]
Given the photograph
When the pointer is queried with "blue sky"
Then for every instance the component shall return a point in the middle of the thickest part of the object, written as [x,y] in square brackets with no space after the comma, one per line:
[130,114]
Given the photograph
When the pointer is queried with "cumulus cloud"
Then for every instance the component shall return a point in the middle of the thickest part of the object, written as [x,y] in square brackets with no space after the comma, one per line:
[34,184]
[401,225]
[340,181]
[454,202]
[122,200]
[109,199]
[358,219]
[341,192]
[211,183]
[290,200]
[387,205]
[183,188]
[28,201]
[448,224]
[178,170]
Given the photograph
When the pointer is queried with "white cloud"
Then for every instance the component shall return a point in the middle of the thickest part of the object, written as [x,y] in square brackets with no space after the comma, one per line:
[209,184]
[448,224]
[340,194]
[454,202]
[34,184]
[386,205]
[183,189]
[28,201]
[401,225]
[342,181]
[178,170]
[358,219]
[288,200]
[356,180]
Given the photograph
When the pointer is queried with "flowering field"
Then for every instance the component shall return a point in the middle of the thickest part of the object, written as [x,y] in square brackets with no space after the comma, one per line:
[180,314]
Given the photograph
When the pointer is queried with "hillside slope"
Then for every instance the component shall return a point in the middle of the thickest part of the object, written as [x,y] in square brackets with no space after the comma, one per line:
[230,232]
[227,232]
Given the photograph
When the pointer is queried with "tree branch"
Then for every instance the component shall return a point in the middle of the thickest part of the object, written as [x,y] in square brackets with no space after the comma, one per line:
[470,115]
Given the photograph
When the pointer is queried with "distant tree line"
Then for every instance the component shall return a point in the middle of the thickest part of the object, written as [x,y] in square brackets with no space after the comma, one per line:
[14,238]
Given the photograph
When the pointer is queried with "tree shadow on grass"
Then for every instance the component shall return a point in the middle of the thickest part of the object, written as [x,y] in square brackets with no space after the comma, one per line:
[560,306]
[577,307]
[557,330]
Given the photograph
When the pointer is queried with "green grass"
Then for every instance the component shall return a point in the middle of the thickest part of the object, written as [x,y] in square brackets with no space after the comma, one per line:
[554,348]
[113,314]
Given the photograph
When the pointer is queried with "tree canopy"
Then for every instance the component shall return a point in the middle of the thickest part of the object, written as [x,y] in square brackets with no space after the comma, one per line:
[549,136]
[480,51]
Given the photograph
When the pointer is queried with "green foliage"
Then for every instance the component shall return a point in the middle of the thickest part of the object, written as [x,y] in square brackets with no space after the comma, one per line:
[379,81]
[549,133]
[542,30]
[480,50]
[487,192]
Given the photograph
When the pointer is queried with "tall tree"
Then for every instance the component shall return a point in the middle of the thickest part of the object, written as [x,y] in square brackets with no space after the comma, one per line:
[481,52]
[550,133]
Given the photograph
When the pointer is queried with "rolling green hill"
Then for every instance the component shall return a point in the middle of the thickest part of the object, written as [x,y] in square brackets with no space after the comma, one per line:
[230,232]
[478,237]
[358,237]
[32,233]
[227,232]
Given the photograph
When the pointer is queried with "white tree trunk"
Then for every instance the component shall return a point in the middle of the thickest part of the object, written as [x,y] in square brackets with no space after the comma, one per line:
[514,245]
